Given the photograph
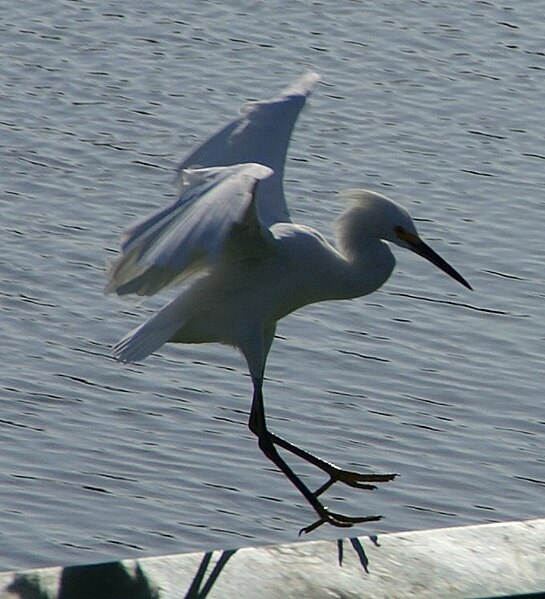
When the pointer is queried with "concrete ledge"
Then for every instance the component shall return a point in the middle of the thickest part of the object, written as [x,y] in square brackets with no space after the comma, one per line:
[491,560]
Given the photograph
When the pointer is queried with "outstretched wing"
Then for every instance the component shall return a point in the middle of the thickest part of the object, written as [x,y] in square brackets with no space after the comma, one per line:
[261,134]
[190,234]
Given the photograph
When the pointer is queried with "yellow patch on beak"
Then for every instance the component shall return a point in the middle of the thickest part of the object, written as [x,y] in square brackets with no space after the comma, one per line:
[406,236]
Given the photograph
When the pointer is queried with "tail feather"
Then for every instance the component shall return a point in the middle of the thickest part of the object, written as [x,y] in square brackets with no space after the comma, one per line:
[151,334]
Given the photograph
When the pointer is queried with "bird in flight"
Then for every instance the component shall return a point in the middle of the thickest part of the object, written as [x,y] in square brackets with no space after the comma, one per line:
[245,265]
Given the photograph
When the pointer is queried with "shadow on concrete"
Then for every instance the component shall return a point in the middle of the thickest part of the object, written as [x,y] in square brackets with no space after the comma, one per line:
[200,587]
[107,581]
[114,581]
[359,550]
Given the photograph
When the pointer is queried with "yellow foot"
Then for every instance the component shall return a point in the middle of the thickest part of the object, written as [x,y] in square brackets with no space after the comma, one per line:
[339,520]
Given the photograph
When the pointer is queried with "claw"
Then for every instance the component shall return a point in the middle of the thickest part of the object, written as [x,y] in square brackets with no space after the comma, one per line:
[334,480]
[353,479]
[357,479]
[338,520]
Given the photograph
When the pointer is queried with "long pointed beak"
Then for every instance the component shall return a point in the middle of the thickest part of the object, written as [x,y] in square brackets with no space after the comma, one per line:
[424,250]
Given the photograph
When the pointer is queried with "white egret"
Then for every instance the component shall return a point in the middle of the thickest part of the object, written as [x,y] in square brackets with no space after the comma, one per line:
[230,225]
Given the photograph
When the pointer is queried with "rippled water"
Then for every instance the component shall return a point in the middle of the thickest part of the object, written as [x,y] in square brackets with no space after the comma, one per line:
[439,106]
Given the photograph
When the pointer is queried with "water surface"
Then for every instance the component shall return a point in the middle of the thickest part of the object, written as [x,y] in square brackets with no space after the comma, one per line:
[440,107]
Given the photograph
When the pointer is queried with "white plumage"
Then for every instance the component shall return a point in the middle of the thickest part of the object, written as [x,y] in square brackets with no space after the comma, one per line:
[229,232]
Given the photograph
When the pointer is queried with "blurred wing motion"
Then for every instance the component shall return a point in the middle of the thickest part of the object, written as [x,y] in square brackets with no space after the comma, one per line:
[190,234]
[219,183]
[261,134]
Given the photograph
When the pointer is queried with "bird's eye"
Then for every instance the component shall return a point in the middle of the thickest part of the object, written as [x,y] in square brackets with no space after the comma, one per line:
[404,235]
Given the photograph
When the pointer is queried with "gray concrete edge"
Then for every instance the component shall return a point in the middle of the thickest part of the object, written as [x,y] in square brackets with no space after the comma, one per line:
[489,560]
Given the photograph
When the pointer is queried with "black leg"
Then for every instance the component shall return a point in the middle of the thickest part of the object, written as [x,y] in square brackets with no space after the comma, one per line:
[268,441]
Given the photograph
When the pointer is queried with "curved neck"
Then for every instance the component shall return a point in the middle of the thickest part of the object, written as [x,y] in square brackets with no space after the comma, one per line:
[370,264]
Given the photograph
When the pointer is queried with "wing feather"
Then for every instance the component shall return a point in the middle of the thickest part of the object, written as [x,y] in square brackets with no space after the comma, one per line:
[191,234]
[261,134]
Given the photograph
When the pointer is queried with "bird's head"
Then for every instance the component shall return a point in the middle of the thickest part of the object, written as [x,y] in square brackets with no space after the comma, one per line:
[380,217]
